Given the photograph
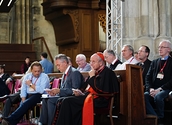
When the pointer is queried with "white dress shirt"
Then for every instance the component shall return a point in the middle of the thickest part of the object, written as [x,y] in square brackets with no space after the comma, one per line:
[122,66]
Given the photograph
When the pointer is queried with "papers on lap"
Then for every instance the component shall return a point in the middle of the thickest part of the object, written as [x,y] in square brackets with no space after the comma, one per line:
[49,96]
[46,95]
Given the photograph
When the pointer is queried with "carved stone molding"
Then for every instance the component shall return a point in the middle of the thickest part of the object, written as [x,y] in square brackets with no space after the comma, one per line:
[74,14]
[102,19]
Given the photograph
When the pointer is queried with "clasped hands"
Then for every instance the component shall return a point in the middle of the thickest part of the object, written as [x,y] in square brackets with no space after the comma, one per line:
[153,92]
[53,91]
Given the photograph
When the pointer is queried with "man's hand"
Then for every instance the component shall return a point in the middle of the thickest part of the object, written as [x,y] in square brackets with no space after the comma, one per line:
[53,91]
[28,82]
[92,72]
[153,92]
[77,92]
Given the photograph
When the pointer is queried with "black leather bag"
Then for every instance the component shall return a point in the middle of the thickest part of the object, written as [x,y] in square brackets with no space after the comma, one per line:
[14,97]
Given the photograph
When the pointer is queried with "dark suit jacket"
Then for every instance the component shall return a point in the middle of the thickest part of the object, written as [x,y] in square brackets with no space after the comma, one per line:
[145,68]
[113,66]
[5,77]
[151,77]
[73,79]
[4,90]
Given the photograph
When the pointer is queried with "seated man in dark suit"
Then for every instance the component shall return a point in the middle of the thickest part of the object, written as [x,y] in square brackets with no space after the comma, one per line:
[111,59]
[101,80]
[158,81]
[143,55]
[4,90]
[71,79]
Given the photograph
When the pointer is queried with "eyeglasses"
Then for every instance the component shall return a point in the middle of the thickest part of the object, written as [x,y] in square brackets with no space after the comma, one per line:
[162,47]
[77,61]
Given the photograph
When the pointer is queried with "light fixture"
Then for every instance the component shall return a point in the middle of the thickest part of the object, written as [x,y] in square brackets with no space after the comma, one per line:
[1,2]
[9,3]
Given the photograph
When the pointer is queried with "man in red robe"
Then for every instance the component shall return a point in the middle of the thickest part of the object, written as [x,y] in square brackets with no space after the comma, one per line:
[101,80]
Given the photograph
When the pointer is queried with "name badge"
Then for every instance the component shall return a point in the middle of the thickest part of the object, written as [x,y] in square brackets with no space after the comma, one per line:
[31,89]
[160,75]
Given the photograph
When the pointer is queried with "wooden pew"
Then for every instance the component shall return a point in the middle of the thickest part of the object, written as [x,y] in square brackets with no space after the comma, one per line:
[132,105]
[57,75]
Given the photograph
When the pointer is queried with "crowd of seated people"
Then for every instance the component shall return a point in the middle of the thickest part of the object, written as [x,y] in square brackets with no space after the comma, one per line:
[74,90]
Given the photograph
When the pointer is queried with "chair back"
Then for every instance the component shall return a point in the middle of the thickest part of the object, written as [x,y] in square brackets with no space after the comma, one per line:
[56,83]
[105,110]
[11,87]
[17,85]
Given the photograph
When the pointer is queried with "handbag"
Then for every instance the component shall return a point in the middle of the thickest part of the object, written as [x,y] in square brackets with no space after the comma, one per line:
[14,97]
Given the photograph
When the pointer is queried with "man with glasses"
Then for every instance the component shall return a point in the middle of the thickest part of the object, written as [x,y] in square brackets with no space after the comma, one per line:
[158,81]
[111,59]
[143,55]
[82,64]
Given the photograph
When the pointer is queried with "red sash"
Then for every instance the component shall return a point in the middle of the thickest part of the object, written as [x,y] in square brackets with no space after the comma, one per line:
[88,109]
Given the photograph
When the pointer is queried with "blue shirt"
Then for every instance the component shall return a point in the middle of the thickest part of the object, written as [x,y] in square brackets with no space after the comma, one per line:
[40,83]
[165,58]
[87,67]
[47,66]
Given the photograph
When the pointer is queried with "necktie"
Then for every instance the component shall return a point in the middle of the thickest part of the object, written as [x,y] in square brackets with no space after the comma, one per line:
[63,79]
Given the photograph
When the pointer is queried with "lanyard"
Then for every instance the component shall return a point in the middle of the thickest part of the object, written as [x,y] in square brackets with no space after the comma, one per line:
[35,80]
[163,66]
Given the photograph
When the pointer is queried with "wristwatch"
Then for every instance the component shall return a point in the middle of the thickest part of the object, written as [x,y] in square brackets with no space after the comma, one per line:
[30,84]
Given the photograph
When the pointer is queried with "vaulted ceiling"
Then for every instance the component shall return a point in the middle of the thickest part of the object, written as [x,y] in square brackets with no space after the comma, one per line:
[6,5]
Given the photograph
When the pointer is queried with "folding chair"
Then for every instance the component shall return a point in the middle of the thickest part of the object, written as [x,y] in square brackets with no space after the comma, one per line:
[105,110]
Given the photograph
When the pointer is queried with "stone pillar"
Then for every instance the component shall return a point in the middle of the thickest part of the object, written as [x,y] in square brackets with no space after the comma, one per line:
[27,22]
[23,21]
[169,17]
[18,22]
[4,27]
[153,18]
[162,17]
[131,18]
[144,18]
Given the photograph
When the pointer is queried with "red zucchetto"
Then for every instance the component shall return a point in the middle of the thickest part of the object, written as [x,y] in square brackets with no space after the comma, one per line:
[100,54]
